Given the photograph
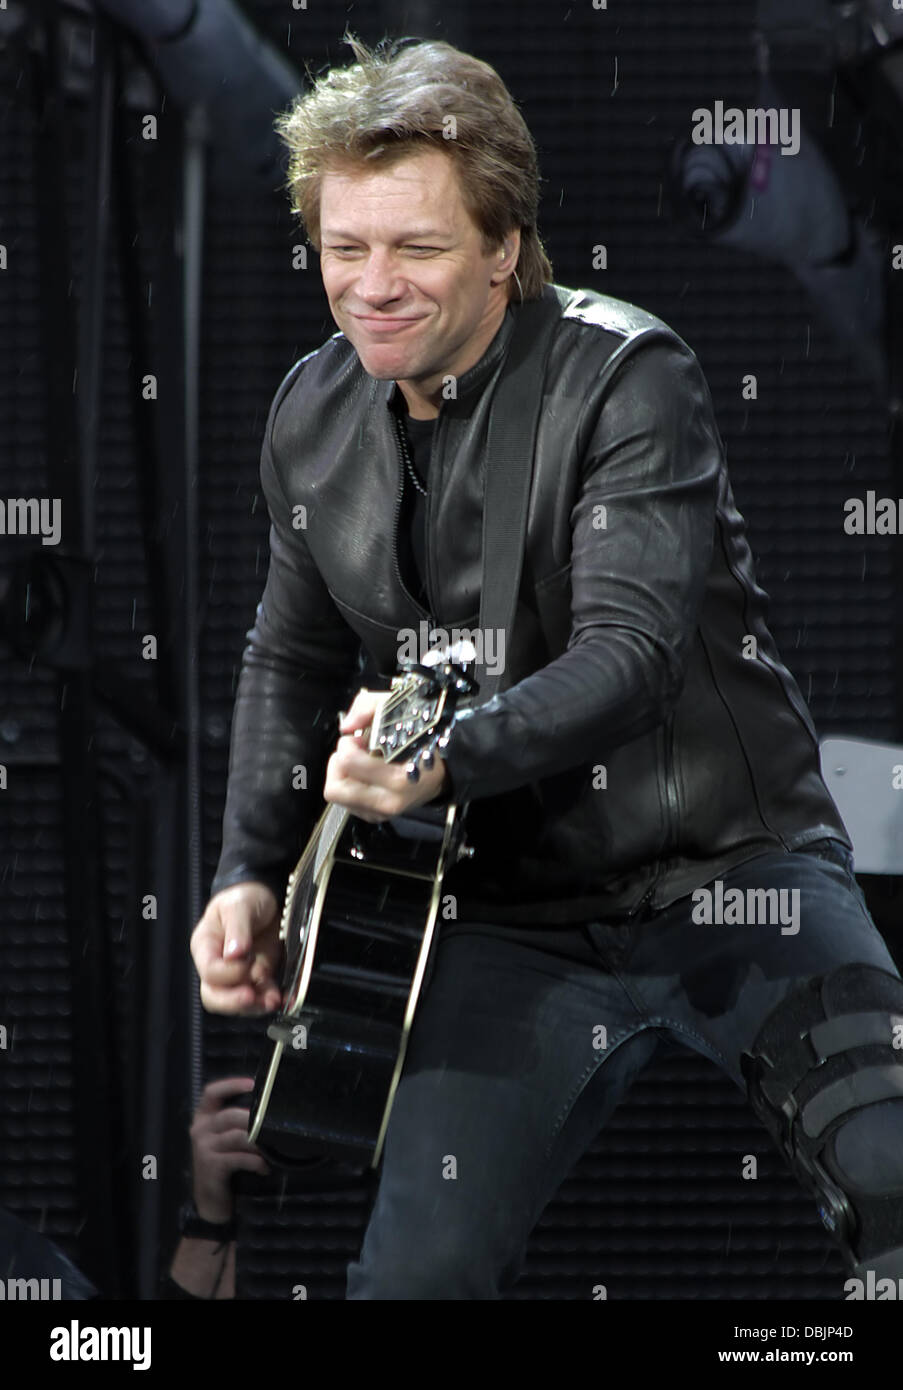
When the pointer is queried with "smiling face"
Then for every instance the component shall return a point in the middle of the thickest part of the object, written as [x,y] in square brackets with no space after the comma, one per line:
[406,275]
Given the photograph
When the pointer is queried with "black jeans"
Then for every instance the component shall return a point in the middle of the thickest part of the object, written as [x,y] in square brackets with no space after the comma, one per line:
[520,1052]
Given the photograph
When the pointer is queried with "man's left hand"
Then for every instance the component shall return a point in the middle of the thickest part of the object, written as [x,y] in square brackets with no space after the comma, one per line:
[370,787]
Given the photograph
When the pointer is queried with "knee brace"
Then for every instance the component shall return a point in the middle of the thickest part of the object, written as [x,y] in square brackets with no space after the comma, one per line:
[826,1079]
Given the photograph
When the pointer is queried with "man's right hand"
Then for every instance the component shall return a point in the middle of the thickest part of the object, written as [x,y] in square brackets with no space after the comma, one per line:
[237,952]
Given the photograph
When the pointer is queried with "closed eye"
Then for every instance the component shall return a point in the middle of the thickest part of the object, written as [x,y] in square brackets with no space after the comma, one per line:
[412,246]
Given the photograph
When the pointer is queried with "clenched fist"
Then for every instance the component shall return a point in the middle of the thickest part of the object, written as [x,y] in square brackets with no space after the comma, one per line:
[237,952]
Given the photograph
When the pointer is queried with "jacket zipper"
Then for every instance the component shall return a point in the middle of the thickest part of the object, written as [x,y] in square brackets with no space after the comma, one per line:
[670,811]
[646,898]
[670,782]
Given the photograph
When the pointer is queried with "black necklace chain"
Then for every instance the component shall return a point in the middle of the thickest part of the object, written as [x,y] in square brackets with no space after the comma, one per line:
[412,473]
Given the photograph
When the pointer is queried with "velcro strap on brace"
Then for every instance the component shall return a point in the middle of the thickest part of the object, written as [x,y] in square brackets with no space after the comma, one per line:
[849,1093]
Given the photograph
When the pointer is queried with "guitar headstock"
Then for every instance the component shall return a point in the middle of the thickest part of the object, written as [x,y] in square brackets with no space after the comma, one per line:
[419,709]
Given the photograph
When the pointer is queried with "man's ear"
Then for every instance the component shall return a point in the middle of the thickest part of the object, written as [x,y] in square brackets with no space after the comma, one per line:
[508,254]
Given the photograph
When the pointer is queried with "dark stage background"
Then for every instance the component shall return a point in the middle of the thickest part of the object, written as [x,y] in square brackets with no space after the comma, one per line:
[116,763]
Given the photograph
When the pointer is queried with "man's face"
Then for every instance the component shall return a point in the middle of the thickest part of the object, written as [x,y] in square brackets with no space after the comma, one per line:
[405,273]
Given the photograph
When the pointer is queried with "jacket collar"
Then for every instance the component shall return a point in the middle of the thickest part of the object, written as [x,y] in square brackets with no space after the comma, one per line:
[471,382]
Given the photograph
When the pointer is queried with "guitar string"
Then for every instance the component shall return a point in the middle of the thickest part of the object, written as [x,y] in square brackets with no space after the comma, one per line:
[390,704]
[398,698]
[392,701]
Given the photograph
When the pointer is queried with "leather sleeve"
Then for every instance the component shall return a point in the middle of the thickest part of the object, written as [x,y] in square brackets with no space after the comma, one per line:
[298,663]
[638,573]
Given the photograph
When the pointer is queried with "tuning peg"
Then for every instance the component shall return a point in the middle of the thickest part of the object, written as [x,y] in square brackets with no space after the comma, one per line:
[427,757]
[413,770]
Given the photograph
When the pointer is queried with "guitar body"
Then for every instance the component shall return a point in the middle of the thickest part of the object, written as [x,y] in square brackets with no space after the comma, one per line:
[360,927]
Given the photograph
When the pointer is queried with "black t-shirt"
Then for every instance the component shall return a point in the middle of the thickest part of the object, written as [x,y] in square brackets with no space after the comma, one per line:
[412,523]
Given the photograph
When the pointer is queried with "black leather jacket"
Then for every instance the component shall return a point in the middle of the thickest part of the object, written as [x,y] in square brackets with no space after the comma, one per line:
[651,737]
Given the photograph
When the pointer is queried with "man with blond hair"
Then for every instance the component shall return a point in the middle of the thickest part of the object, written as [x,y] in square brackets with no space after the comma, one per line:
[650,756]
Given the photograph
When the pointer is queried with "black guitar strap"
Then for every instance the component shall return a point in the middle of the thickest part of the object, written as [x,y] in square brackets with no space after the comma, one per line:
[509,474]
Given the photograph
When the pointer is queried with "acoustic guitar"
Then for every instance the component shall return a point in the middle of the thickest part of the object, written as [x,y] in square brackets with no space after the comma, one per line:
[358,927]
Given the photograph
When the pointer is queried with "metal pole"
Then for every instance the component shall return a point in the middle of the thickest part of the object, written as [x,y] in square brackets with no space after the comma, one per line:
[193,246]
